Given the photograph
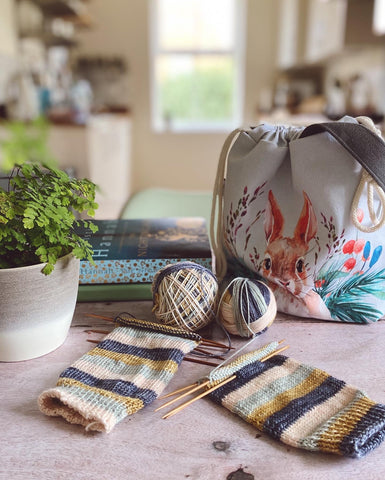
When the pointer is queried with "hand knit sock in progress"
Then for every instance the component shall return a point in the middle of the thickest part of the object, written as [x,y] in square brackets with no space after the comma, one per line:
[304,407]
[126,371]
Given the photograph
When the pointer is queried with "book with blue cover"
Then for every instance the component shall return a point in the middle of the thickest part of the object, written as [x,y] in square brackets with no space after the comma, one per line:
[132,250]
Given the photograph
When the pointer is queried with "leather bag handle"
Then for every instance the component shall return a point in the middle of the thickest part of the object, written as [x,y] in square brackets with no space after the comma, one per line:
[363,144]
[368,148]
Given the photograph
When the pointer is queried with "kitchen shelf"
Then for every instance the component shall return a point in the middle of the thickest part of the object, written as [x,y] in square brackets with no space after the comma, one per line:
[74,12]
[50,40]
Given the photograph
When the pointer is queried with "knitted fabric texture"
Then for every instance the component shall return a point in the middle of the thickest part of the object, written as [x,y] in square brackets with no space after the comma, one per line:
[127,370]
[304,407]
[219,374]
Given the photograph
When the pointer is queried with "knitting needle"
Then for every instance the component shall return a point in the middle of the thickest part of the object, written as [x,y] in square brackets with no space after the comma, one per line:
[215,347]
[219,357]
[216,344]
[206,352]
[109,319]
[187,359]
[175,392]
[197,360]
[272,354]
[106,332]
[189,402]
[202,362]
[196,387]
[206,392]
[205,341]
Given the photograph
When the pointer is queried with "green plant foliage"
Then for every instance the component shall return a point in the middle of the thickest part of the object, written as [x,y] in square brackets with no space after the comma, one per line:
[205,94]
[345,295]
[37,216]
[26,142]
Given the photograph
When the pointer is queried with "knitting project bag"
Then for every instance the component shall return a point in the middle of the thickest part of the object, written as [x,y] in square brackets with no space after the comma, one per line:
[304,208]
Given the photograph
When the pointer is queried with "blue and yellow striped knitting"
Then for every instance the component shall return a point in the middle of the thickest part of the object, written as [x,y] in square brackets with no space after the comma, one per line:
[303,406]
[123,373]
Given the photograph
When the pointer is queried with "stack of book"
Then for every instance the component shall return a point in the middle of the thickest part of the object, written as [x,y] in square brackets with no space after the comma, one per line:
[129,252]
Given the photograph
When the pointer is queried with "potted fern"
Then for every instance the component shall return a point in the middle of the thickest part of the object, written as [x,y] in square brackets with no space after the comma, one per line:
[40,253]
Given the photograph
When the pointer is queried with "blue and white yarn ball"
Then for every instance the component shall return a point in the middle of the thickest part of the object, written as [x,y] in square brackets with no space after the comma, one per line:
[247,307]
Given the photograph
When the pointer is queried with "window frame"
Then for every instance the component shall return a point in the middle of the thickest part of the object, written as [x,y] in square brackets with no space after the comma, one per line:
[238,54]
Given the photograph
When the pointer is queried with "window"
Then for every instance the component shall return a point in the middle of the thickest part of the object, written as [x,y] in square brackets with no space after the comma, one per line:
[197,68]
[379,17]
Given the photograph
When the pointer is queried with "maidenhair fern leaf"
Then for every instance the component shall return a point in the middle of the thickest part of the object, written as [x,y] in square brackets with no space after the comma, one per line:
[38,210]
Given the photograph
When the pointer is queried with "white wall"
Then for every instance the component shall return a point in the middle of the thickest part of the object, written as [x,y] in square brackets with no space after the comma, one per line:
[368,63]
[183,161]
[8,40]
[8,44]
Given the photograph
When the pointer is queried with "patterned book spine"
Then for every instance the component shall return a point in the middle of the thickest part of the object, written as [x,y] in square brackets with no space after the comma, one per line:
[129,270]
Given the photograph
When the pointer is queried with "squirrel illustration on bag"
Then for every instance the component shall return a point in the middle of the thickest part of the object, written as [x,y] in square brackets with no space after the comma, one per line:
[284,264]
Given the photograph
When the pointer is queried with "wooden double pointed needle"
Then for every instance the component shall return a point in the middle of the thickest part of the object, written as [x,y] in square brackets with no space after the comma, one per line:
[189,392]
[205,341]
[202,384]
[203,394]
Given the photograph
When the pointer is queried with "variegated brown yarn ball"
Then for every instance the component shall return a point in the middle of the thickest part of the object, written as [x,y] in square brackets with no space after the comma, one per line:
[185,295]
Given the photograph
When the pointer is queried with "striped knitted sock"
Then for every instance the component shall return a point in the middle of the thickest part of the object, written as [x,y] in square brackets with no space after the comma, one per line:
[304,407]
[123,373]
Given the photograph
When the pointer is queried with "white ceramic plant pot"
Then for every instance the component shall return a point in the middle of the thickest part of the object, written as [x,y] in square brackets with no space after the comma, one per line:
[36,310]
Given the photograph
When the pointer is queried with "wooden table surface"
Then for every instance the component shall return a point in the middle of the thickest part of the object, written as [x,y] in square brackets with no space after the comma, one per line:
[205,441]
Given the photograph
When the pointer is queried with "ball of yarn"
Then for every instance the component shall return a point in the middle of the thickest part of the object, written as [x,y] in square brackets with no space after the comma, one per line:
[247,307]
[185,295]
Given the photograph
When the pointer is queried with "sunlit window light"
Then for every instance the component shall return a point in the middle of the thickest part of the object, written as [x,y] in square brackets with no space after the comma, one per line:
[379,17]
[197,69]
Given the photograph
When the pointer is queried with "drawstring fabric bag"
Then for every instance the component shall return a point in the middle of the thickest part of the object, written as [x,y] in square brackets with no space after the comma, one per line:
[304,209]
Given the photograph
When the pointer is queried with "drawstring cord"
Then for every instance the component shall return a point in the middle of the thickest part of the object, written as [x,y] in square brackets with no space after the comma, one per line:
[216,219]
[371,186]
